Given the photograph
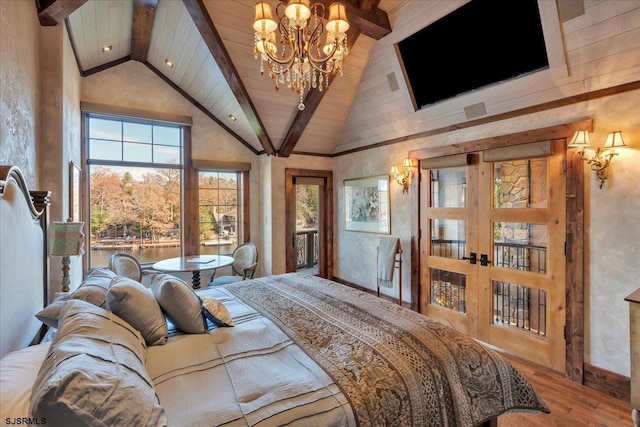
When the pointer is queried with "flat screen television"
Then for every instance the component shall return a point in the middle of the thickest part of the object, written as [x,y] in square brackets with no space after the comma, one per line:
[481,43]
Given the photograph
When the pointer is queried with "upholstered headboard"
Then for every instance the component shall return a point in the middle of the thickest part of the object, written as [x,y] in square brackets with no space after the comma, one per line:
[24,260]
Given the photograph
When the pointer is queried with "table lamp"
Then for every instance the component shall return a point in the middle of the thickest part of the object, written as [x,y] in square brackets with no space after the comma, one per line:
[68,239]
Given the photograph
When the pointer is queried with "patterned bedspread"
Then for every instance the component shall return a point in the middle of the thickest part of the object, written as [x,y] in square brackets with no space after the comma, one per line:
[396,367]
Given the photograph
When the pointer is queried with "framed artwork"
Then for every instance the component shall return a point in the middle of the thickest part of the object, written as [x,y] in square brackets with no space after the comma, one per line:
[75,179]
[366,204]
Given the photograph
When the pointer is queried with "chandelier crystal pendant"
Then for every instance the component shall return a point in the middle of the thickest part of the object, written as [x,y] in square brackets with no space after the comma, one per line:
[306,59]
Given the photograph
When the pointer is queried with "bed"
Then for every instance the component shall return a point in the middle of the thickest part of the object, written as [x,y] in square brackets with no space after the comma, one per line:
[289,349]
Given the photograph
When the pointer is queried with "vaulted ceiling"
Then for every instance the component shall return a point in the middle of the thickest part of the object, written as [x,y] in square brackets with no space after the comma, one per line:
[210,44]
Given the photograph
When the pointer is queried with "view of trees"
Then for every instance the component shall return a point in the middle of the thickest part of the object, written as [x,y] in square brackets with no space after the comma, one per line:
[125,207]
[218,204]
[307,205]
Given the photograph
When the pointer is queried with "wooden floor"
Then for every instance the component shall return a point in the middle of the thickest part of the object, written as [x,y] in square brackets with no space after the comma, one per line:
[571,404]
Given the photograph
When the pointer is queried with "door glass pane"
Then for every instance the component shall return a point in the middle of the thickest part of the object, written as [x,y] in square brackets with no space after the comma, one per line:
[307,215]
[520,307]
[448,289]
[449,187]
[520,184]
[448,238]
[520,246]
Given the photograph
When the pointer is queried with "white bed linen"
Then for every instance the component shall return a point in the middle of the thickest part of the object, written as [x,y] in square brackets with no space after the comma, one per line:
[250,374]
[18,372]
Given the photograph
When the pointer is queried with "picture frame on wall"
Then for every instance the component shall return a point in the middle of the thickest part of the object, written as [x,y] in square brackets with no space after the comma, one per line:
[75,188]
[367,207]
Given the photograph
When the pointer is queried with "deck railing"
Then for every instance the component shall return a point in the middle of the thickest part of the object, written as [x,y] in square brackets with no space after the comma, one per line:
[307,248]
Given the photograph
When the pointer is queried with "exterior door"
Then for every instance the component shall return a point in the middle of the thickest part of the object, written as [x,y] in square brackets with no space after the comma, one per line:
[495,261]
[309,235]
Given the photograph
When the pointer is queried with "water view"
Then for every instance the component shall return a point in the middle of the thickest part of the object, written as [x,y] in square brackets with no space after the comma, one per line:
[100,257]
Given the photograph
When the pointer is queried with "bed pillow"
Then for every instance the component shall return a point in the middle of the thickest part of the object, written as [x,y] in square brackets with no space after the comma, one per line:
[179,303]
[95,286]
[94,373]
[93,289]
[51,313]
[215,311]
[136,305]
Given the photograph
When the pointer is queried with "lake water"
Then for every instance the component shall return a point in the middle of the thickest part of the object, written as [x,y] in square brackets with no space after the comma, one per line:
[100,258]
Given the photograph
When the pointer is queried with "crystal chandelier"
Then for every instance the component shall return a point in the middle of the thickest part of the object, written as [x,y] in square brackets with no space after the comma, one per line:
[306,60]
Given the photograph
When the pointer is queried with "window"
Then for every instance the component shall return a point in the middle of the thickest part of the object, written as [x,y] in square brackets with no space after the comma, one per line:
[221,220]
[135,190]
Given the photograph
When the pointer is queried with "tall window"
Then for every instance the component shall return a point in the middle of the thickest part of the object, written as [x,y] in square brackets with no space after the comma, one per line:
[134,188]
[220,211]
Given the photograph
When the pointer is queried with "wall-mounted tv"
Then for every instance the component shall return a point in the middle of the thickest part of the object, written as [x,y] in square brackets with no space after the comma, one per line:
[481,43]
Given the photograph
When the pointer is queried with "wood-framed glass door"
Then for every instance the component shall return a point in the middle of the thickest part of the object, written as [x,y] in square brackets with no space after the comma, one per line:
[494,250]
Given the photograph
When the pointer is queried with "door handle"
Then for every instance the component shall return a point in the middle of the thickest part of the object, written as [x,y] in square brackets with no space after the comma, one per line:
[472,259]
[484,260]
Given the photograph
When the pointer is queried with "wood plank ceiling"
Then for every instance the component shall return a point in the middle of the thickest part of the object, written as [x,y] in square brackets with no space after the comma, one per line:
[210,46]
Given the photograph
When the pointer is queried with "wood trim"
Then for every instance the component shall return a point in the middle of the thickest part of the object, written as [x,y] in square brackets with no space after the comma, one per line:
[607,382]
[112,110]
[190,218]
[212,39]
[575,268]
[220,165]
[144,12]
[553,132]
[102,67]
[53,12]
[246,211]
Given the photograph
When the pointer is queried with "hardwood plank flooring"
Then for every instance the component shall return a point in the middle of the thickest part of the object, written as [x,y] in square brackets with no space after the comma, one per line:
[571,404]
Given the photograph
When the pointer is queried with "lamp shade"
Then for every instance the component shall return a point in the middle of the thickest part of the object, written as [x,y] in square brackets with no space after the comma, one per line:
[298,9]
[337,19]
[614,140]
[580,139]
[407,163]
[68,238]
[264,22]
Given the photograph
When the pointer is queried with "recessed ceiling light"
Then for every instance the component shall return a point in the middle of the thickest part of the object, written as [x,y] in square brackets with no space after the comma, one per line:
[232,117]
[106,48]
[169,63]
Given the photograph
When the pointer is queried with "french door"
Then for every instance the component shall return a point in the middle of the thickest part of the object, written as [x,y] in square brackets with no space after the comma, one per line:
[492,246]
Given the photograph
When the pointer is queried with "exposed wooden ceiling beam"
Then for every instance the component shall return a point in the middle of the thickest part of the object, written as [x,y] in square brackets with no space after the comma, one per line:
[313,98]
[203,22]
[144,12]
[311,103]
[53,12]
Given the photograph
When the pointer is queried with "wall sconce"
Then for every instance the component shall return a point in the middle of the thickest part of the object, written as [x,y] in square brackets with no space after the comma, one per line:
[601,158]
[68,240]
[403,177]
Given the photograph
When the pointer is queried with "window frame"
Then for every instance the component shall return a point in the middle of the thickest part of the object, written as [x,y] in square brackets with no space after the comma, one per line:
[182,167]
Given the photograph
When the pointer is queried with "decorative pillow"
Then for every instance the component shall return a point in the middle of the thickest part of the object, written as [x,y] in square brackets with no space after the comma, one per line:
[136,305]
[51,313]
[94,373]
[179,303]
[93,289]
[215,311]
[95,286]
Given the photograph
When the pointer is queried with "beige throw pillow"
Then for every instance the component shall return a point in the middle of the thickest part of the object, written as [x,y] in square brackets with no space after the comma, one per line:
[136,305]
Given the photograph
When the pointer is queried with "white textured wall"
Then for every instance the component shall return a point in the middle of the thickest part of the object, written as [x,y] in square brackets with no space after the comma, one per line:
[19,86]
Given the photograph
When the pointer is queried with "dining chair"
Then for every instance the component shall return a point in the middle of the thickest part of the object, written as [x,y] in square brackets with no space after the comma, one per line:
[245,261]
[128,266]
